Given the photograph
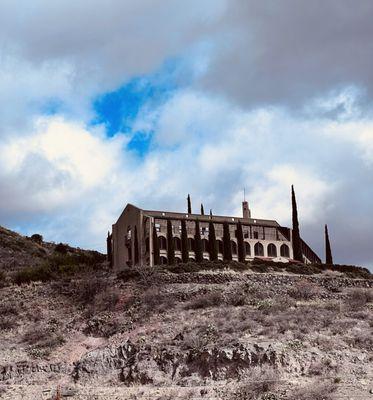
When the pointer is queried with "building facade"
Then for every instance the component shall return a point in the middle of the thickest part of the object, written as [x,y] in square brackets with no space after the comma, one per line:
[132,239]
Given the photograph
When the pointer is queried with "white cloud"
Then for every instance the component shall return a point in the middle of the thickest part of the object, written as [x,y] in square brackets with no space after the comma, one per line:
[271,198]
[358,133]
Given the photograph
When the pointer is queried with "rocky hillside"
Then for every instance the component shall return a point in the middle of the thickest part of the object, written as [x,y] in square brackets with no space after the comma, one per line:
[212,334]
[18,252]
[222,332]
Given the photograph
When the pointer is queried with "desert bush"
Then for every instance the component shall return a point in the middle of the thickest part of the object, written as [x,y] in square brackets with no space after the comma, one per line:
[211,299]
[107,299]
[2,279]
[199,338]
[37,238]
[258,384]
[7,322]
[324,391]
[42,340]
[304,290]
[9,308]
[89,288]
[61,248]
[358,298]
[41,273]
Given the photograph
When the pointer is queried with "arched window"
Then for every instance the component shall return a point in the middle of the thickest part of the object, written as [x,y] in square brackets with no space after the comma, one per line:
[247,249]
[220,246]
[162,243]
[272,251]
[259,249]
[233,247]
[284,251]
[163,260]
[205,245]
[177,243]
[178,260]
[191,244]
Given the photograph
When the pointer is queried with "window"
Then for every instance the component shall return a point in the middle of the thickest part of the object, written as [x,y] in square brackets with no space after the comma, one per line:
[234,247]
[259,249]
[205,245]
[220,246]
[246,235]
[191,244]
[256,235]
[162,243]
[247,249]
[272,251]
[284,251]
[163,260]
[177,243]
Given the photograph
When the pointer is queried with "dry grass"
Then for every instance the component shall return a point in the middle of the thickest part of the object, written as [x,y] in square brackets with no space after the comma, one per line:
[315,391]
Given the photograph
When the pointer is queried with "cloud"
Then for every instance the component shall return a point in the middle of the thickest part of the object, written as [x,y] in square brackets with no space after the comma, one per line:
[291,51]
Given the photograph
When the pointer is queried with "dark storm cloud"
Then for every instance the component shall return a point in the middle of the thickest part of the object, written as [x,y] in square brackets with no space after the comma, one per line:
[290,50]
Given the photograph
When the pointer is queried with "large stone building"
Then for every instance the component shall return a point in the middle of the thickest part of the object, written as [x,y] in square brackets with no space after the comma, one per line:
[132,239]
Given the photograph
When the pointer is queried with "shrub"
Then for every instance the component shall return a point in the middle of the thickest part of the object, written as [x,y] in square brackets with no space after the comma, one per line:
[61,248]
[107,299]
[41,273]
[37,238]
[7,322]
[324,391]
[42,340]
[212,299]
[304,290]
[89,288]
[258,385]
[358,298]
[2,278]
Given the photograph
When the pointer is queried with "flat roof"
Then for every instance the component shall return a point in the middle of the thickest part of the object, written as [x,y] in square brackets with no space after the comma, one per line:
[207,218]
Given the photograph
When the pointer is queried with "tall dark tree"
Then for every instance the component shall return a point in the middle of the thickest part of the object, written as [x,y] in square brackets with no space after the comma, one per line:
[240,243]
[297,248]
[189,205]
[328,250]
[156,255]
[227,249]
[198,243]
[109,248]
[213,248]
[210,212]
[184,242]
[170,244]
[202,210]
[136,245]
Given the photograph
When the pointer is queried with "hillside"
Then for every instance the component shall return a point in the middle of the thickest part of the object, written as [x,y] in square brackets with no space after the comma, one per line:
[224,331]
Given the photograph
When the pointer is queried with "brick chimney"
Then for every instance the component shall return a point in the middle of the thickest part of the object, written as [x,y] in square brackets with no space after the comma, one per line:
[246,213]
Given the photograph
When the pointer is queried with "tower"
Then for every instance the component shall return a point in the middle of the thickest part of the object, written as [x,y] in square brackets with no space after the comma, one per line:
[246,213]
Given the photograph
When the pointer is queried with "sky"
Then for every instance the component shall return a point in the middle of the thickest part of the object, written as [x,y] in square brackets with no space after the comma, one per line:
[144,101]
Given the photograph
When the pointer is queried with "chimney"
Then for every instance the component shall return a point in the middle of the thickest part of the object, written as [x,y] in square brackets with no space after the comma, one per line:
[246,213]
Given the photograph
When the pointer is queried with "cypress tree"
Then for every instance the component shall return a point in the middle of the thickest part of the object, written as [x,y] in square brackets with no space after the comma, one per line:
[156,255]
[297,249]
[227,249]
[240,243]
[213,250]
[136,245]
[109,249]
[170,244]
[198,243]
[210,212]
[184,242]
[328,250]
[202,210]
[189,205]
